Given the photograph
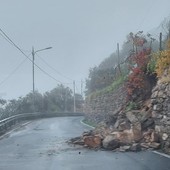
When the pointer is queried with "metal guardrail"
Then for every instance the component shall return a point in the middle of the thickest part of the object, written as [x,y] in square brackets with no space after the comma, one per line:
[7,123]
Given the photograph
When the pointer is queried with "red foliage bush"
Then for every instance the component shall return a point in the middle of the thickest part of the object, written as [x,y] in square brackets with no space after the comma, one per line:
[137,76]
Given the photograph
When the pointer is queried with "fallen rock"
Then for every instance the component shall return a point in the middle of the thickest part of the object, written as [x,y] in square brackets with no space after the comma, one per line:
[164,136]
[125,137]
[137,132]
[75,139]
[147,136]
[92,141]
[154,137]
[102,131]
[124,148]
[132,117]
[154,145]
[125,125]
[110,142]
[148,123]
[144,145]
[136,147]
[78,142]
[146,115]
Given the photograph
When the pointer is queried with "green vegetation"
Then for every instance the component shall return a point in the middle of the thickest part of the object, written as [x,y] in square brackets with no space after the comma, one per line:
[116,84]
[59,99]
[107,75]
[151,67]
[132,106]
[89,123]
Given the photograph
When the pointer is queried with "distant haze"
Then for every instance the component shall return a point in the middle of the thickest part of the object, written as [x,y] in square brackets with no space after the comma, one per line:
[81,32]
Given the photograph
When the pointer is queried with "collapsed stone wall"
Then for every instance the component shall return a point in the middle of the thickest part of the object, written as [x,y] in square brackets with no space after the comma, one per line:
[160,101]
[101,108]
[107,108]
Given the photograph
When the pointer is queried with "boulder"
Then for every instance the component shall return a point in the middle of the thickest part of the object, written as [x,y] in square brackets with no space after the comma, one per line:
[144,145]
[78,142]
[124,148]
[125,137]
[158,128]
[117,123]
[88,133]
[154,137]
[75,139]
[125,125]
[147,136]
[137,132]
[154,145]
[92,141]
[136,147]
[132,117]
[110,142]
[164,136]
[146,115]
[148,123]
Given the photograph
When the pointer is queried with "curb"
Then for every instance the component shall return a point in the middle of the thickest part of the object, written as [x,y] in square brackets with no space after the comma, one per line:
[87,124]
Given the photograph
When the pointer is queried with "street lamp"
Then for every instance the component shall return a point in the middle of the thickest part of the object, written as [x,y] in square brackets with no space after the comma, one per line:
[33,58]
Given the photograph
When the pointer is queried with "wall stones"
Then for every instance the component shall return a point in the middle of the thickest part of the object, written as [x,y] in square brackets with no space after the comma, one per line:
[105,107]
[160,101]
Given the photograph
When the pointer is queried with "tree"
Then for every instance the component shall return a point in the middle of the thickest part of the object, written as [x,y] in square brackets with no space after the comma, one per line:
[58,99]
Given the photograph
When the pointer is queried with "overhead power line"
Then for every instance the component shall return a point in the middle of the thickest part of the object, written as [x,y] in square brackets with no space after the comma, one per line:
[5,79]
[16,46]
[53,67]
[5,38]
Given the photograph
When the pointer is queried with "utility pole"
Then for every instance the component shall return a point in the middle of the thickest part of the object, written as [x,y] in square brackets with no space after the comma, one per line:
[33,83]
[81,88]
[118,55]
[160,42]
[65,100]
[33,77]
[74,96]
[33,58]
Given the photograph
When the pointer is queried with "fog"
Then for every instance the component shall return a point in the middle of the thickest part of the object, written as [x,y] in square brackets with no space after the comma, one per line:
[81,33]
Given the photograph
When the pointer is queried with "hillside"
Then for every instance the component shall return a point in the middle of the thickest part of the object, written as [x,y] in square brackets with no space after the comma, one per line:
[130,96]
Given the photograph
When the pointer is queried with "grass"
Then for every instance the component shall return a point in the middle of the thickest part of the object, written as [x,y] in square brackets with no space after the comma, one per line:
[89,123]
[116,84]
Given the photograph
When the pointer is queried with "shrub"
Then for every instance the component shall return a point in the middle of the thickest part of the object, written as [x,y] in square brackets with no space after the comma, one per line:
[137,76]
[132,106]
[163,62]
[151,67]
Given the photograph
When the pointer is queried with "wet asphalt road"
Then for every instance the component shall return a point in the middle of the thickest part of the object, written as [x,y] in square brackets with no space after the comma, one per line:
[41,146]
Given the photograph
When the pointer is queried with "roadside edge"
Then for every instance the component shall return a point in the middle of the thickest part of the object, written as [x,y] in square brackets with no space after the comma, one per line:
[87,124]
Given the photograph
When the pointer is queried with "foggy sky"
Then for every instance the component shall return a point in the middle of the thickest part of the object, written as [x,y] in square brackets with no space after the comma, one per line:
[81,32]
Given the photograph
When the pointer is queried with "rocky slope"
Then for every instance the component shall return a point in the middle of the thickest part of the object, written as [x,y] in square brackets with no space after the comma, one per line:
[119,129]
[132,131]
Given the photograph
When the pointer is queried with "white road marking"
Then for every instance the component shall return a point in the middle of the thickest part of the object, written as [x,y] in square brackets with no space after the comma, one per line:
[87,124]
[162,154]
[156,152]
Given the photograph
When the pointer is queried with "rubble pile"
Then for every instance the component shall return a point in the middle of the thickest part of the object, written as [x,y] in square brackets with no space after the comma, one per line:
[132,131]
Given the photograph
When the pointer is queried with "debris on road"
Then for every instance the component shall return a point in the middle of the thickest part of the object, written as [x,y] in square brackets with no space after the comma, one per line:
[134,132]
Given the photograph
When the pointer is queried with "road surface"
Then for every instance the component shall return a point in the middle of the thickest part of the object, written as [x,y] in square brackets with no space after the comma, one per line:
[41,145]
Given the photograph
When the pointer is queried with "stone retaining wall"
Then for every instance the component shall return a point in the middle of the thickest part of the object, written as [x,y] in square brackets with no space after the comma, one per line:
[160,101]
[101,107]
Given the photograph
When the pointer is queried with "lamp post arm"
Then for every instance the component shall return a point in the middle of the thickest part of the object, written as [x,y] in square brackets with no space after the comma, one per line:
[42,49]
